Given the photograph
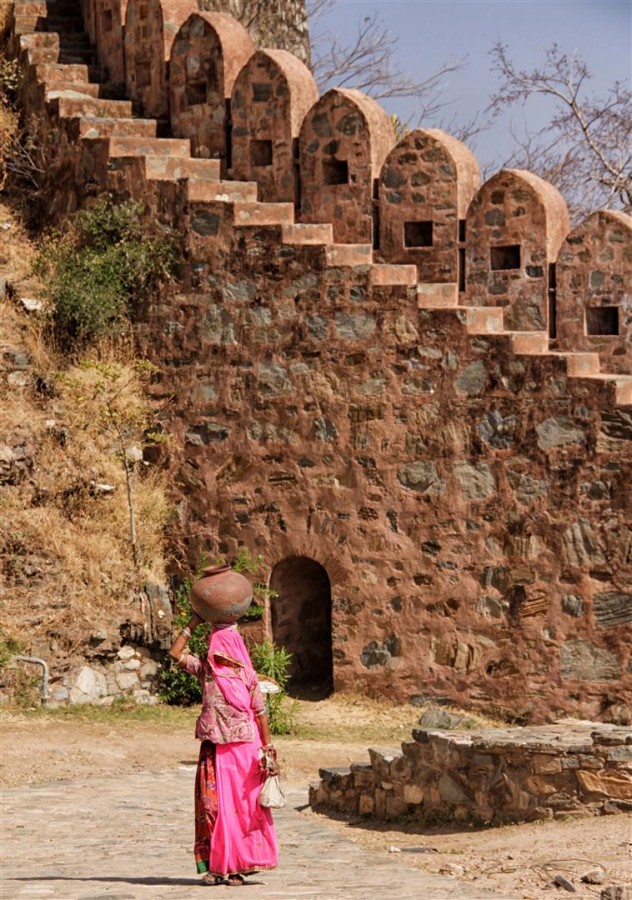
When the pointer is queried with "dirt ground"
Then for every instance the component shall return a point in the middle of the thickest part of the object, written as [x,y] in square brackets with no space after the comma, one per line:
[518,861]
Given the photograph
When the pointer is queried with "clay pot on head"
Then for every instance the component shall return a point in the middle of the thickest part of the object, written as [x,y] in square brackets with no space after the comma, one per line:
[221,595]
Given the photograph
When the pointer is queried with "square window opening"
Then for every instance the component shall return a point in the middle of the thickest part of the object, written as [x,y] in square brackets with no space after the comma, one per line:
[335,171]
[507,257]
[261,153]
[196,93]
[418,234]
[602,320]
[261,91]
[143,74]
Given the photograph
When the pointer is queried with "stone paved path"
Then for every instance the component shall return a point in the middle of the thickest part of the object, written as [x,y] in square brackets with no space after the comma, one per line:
[115,839]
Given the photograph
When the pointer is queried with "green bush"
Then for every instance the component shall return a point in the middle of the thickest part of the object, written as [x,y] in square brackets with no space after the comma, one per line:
[273,661]
[96,270]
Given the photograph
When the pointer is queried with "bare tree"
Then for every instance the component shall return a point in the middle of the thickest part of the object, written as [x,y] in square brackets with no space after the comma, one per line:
[368,64]
[585,149]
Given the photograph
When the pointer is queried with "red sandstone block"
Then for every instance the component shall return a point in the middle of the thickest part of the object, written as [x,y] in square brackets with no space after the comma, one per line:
[140,146]
[349,255]
[170,168]
[246,214]
[483,319]
[383,274]
[222,191]
[622,385]
[71,74]
[92,127]
[578,364]
[308,234]
[530,343]
[56,87]
[438,295]
[68,106]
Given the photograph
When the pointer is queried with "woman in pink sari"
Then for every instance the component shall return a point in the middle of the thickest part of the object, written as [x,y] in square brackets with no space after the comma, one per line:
[234,836]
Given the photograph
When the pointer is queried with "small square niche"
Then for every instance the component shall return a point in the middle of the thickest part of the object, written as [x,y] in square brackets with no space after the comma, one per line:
[506,257]
[261,91]
[196,93]
[602,320]
[335,171]
[260,153]
[418,234]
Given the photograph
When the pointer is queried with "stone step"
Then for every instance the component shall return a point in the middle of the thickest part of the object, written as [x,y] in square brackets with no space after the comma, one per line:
[386,274]
[93,127]
[56,87]
[141,146]
[222,191]
[580,363]
[437,295]
[482,319]
[68,104]
[529,343]
[51,72]
[249,214]
[622,385]
[349,255]
[315,234]
[170,168]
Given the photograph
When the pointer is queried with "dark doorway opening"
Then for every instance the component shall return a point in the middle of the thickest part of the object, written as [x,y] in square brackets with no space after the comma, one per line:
[301,622]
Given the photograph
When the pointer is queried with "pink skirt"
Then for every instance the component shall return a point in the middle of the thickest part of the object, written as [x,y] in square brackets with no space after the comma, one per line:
[233,834]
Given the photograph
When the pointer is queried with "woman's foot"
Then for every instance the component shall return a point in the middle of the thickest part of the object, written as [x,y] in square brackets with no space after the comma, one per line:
[236,880]
[212,880]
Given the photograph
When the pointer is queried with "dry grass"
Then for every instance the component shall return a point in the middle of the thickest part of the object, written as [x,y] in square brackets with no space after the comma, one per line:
[65,553]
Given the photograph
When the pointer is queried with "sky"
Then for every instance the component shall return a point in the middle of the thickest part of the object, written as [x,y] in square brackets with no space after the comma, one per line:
[429,32]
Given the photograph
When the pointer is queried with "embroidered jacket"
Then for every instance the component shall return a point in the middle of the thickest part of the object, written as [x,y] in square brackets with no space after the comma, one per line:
[219,721]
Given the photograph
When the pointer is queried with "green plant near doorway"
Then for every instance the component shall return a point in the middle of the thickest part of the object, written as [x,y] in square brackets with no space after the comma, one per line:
[274,662]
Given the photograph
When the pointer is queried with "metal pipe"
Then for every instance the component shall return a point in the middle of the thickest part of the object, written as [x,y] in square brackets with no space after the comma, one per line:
[36,661]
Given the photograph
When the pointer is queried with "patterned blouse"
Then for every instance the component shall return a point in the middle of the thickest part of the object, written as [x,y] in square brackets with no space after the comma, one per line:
[220,722]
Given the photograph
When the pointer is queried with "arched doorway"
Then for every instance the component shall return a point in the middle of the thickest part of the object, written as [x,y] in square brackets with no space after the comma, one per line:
[301,622]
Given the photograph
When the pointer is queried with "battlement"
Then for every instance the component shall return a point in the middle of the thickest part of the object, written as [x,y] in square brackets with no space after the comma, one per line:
[415,383]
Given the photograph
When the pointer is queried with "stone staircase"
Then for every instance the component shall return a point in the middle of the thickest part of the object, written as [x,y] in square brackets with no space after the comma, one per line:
[52,45]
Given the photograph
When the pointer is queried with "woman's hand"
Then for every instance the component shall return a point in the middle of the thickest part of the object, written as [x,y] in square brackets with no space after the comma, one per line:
[195,620]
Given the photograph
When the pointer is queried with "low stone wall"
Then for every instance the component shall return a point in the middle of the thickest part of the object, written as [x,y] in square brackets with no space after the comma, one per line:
[489,776]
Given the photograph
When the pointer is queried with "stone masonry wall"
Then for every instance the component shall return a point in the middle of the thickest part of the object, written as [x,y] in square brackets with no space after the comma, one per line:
[460,481]
[488,777]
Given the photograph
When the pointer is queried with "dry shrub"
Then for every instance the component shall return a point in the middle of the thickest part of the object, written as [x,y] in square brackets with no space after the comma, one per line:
[66,562]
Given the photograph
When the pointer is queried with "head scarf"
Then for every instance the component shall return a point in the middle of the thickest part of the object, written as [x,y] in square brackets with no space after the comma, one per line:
[225,641]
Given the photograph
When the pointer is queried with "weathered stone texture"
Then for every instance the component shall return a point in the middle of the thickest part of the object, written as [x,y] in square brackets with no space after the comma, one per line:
[594,296]
[343,143]
[515,226]
[488,776]
[426,185]
[207,55]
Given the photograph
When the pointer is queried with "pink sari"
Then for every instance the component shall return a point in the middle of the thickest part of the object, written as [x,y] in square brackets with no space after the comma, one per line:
[241,834]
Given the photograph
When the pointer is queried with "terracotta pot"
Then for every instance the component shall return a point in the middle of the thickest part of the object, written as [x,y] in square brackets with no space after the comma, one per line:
[221,595]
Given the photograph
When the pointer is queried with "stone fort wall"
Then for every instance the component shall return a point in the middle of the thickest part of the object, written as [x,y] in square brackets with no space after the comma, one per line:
[412,393]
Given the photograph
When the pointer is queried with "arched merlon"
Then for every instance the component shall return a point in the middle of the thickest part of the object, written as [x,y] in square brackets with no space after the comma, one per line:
[150,30]
[594,290]
[109,26]
[343,143]
[207,55]
[426,185]
[514,229]
[271,97]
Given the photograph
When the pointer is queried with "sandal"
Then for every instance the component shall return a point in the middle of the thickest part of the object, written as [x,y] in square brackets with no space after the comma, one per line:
[236,880]
[209,880]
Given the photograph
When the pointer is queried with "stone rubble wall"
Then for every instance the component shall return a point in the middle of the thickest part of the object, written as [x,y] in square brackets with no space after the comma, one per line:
[463,478]
[494,776]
